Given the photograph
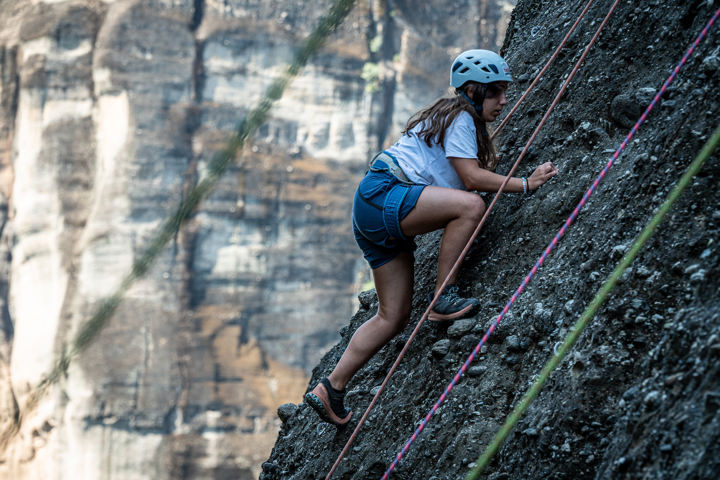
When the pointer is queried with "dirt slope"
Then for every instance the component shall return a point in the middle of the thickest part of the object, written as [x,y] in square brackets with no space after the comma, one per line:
[638,396]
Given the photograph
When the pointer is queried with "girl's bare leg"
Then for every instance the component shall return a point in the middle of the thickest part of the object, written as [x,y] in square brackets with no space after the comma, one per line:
[456,210]
[459,212]
[394,286]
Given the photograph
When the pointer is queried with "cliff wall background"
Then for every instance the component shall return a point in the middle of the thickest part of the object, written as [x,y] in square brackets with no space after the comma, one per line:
[637,398]
[109,114]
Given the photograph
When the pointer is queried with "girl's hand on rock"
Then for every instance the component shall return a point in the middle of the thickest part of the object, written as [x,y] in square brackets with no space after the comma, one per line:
[542,174]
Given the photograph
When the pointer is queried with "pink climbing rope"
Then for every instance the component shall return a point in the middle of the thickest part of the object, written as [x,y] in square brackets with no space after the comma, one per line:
[465,250]
[544,69]
[552,244]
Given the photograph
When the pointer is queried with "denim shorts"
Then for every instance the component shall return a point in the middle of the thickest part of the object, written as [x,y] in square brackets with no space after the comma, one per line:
[381,202]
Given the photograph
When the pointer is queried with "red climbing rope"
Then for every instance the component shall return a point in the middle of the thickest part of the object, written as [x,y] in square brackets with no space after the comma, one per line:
[468,245]
[544,69]
[552,244]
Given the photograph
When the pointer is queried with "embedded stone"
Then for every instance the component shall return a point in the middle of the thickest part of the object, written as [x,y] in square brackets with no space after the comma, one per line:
[441,348]
[286,411]
[460,328]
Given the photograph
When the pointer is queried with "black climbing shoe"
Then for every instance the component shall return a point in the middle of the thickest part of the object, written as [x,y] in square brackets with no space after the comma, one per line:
[451,306]
[328,403]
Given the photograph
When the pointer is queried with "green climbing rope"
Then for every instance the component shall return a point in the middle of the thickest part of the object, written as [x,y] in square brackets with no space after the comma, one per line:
[593,307]
[216,169]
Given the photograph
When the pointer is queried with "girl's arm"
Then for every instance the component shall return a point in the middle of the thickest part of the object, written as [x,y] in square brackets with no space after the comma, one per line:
[476,178]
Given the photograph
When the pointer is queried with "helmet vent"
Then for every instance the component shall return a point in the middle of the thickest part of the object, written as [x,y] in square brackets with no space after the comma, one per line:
[480,66]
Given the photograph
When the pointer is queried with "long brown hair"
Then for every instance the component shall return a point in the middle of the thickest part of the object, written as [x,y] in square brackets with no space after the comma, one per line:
[439,116]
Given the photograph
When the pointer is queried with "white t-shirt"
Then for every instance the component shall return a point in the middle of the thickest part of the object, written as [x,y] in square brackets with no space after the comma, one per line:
[430,165]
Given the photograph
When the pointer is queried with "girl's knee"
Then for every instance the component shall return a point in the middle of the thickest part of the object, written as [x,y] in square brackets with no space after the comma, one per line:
[395,320]
[475,207]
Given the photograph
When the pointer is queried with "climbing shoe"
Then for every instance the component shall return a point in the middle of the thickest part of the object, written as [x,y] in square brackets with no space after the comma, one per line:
[328,403]
[451,306]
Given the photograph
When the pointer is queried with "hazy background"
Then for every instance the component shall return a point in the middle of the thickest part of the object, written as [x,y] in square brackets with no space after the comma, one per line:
[110,113]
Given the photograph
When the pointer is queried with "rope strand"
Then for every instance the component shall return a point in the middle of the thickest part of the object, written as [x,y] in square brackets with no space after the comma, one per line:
[552,245]
[593,307]
[172,224]
[542,72]
[603,292]
[463,254]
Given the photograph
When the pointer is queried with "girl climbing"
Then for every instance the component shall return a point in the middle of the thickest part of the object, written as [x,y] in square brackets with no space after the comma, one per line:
[423,183]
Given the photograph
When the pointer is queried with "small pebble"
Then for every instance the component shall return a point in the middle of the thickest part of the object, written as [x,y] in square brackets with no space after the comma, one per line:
[286,411]
[513,343]
[476,370]
[652,398]
[698,277]
[441,348]
[460,328]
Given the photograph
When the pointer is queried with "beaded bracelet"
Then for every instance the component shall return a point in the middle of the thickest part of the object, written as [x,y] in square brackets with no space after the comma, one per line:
[525,185]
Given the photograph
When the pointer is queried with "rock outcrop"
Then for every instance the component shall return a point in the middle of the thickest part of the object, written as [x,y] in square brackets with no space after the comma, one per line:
[638,396]
[110,113]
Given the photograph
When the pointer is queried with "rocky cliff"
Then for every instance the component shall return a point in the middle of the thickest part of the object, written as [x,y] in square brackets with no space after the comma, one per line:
[110,113]
[638,396]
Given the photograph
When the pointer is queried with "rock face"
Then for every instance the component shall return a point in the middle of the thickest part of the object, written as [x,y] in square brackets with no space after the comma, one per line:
[638,395]
[110,113]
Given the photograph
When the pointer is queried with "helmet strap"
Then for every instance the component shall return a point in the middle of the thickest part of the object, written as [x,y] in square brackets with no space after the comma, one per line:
[478,108]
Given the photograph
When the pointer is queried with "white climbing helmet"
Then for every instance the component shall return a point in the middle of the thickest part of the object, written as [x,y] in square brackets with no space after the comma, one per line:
[482,66]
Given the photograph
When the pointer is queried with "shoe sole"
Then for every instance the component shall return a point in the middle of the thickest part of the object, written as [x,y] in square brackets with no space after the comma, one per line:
[439,317]
[319,405]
